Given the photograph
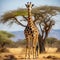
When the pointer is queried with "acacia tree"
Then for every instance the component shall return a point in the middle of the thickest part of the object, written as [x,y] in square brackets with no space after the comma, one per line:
[5,40]
[45,26]
[42,16]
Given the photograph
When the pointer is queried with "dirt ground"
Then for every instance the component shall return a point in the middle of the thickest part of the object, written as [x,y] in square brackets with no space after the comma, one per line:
[19,54]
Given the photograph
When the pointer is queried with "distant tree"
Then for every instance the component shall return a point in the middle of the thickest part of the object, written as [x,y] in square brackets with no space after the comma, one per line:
[57,44]
[51,41]
[21,42]
[5,38]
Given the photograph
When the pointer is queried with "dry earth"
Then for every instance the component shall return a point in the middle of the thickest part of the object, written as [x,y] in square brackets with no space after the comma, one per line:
[19,53]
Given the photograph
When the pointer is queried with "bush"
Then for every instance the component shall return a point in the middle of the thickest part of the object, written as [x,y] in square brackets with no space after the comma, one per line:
[52,42]
[3,50]
[5,38]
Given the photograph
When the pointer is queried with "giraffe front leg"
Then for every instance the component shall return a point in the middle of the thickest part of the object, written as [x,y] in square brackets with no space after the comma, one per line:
[36,53]
[33,52]
[36,48]
[26,52]
[32,47]
[29,53]
[28,47]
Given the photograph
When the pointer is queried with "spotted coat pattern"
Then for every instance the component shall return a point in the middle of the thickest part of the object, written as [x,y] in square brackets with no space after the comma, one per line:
[31,32]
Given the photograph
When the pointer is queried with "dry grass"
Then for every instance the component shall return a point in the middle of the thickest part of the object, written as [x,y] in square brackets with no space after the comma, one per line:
[19,53]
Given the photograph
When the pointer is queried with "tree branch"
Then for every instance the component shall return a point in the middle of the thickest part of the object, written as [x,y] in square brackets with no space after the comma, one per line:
[48,30]
[19,22]
[25,17]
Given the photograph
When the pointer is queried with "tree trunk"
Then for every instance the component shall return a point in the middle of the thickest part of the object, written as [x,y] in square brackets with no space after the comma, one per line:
[40,45]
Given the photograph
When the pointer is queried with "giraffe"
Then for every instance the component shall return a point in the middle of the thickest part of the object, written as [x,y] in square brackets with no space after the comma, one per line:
[31,33]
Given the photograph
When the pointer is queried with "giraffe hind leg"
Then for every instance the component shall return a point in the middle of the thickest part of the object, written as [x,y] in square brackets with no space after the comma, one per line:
[33,52]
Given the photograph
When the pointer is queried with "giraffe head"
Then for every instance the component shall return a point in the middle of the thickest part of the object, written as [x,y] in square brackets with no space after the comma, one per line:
[29,5]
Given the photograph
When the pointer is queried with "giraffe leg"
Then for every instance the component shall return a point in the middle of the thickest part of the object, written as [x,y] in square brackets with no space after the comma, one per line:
[28,47]
[32,47]
[29,53]
[26,52]
[36,53]
[35,43]
[38,49]
[33,52]
[37,46]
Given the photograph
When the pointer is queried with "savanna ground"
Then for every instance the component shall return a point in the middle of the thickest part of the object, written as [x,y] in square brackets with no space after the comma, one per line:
[19,53]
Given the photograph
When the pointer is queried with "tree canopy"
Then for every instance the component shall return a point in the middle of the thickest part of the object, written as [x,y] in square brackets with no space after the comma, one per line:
[11,15]
[5,38]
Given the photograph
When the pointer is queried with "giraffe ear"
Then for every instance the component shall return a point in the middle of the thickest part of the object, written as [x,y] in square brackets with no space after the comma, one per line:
[32,5]
[30,2]
[26,5]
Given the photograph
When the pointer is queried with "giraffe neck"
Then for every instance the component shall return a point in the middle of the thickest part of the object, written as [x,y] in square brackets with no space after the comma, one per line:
[30,21]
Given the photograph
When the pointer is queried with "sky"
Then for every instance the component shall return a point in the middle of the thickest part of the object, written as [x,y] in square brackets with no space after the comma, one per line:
[7,5]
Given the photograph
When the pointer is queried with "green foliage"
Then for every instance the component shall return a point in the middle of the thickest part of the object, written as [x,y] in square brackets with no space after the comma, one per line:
[12,14]
[53,42]
[9,35]
[21,42]
[9,16]
[5,38]
[47,9]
